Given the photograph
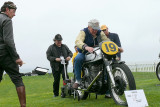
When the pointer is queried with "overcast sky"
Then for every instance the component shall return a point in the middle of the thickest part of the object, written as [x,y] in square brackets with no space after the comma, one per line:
[137,22]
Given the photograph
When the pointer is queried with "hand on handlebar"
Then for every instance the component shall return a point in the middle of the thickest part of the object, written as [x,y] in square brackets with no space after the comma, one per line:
[89,49]
[120,49]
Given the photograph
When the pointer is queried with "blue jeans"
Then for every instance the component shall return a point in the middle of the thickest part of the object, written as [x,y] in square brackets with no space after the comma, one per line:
[78,61]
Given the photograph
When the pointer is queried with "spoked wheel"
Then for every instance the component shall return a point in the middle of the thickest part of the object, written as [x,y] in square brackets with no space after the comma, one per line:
[158,71]
[80,95]
[63,95]
[86,81]
[124,81]
[85,95]
[76,94]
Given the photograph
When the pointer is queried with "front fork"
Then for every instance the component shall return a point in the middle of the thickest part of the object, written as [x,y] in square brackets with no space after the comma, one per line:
[109,70]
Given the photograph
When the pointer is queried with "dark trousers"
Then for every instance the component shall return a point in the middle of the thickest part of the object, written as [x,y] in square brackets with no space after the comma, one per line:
[56,75]
[12,69]
[1,74]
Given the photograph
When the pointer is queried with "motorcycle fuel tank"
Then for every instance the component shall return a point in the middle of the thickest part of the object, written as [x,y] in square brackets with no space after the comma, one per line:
[96,55]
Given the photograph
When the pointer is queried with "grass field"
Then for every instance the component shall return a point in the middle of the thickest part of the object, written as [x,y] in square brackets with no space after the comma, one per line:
[39,93]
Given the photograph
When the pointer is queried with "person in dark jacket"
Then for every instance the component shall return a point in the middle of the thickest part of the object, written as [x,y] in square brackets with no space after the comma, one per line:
[113,37]
[9,58]
[54,52]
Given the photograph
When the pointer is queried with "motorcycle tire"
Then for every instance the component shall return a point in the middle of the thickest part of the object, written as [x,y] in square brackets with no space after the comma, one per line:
[63,95]
[158,71]
[124,81]
[85,95]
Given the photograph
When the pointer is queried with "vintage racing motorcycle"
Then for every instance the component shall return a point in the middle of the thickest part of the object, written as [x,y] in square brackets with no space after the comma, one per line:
[101,72]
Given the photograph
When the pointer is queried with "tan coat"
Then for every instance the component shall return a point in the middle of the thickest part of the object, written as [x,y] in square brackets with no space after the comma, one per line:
[81,37]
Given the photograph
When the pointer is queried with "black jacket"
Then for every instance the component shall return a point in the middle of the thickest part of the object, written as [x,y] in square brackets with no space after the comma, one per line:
[115,38]
[52,54]
[7,44]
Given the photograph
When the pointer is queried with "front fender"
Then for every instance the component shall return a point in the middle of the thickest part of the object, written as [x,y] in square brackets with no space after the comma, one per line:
[117,62]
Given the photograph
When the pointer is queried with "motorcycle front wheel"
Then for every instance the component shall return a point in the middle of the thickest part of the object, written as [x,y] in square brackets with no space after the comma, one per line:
[124,81]
[158,71]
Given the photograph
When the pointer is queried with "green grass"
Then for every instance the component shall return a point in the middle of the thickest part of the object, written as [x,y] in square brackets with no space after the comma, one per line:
[39,93]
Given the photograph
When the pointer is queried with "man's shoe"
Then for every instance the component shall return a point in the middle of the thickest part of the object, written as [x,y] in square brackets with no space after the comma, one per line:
[55,96]
[75,85]
[107,96]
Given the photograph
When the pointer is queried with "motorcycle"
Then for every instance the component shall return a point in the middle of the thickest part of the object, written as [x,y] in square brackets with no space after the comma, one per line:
[158,70]
[101,72]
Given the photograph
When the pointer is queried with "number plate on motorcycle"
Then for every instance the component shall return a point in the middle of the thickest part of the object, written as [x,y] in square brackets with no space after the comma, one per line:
[109,47]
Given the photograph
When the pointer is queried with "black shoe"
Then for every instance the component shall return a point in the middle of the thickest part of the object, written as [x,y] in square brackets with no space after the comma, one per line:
[55,96]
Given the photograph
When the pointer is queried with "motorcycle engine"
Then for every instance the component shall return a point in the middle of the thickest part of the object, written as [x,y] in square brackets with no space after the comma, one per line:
[93,70]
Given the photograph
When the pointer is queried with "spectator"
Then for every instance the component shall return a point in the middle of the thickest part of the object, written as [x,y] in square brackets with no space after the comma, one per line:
[54,52]
[113,37]
[9,58]
[74,54]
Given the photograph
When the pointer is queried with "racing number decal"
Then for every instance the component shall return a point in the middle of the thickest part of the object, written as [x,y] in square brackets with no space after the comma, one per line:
[109,48]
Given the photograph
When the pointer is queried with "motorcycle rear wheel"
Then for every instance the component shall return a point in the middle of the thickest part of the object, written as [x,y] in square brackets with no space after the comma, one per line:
[85,95]
[124,81]
[158,71]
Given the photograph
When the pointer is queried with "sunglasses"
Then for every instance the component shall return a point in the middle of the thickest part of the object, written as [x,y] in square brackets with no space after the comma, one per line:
[104,30]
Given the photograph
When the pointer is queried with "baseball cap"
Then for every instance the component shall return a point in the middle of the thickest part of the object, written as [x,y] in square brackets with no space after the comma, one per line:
[104,27]
[94,23]
[9,5]
[12,6]
[58,37]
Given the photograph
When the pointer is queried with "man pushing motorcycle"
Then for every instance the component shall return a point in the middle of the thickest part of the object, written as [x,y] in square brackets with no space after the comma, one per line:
[85,41]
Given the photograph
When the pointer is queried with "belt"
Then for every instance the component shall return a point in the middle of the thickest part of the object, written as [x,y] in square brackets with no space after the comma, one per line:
[2,46]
